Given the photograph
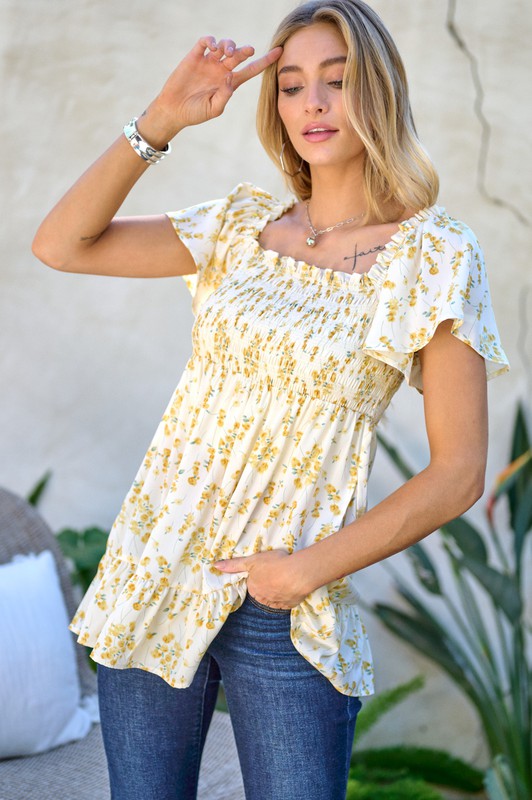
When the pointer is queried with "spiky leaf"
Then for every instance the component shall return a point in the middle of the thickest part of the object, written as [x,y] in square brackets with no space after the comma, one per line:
[520,444]
[405,470]
[424,568]
[499,781]
[36,493]
[379,705]
[424,637]
[468,540]
[502,589]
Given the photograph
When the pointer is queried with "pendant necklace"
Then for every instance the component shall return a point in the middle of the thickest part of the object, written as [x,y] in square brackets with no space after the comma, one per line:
[313,238]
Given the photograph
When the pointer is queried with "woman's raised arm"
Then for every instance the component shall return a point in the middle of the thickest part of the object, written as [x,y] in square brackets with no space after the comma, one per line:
[82,234]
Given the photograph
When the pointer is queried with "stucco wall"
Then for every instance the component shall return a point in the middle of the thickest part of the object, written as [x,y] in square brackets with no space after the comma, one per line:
[87,364]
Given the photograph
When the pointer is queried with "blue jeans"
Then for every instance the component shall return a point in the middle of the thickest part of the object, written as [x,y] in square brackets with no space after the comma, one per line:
[294,731]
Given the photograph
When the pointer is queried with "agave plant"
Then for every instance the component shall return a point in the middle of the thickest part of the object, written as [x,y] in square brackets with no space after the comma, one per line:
[481,640]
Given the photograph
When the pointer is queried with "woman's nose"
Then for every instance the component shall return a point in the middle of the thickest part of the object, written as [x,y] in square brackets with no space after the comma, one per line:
[316,100]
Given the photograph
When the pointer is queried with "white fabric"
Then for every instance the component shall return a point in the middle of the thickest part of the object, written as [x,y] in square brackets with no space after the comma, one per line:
[268,440]
[39,686]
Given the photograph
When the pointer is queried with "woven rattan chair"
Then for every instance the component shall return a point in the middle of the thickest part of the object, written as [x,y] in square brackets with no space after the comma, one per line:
[78,771]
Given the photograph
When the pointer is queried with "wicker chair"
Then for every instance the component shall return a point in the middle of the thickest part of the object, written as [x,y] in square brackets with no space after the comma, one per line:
[78,771]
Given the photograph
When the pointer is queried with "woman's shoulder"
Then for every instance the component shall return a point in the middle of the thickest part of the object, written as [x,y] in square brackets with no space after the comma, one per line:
[434,249]
[440,229]
[247,198]
[245,208]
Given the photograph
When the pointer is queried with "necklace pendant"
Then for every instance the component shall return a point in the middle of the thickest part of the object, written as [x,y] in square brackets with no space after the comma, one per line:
[311,241]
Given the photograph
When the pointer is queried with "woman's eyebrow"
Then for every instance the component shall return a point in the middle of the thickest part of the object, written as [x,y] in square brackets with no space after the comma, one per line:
[327,63]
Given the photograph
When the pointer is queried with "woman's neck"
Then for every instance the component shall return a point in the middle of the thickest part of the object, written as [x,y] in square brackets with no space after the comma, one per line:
[336,195]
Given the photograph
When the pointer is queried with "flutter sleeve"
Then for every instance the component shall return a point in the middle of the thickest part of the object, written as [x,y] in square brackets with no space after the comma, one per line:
[438,274]
[207,230]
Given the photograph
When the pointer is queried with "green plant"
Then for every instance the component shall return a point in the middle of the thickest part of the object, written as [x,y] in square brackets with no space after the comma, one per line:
[361,787]
[421,763]
[483,647]
[379,705]
[403,771]
[36,493]
[84,549]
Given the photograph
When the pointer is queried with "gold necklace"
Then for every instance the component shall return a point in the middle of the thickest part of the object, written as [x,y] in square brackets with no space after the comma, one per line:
[311,240]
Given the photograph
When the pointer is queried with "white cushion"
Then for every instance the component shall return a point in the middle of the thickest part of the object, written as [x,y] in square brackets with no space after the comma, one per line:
[39,688]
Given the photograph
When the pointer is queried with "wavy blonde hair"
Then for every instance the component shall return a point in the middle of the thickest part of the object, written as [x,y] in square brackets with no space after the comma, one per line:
[398,170]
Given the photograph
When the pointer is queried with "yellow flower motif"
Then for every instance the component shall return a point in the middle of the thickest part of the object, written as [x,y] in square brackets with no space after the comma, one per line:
[264,452]
[194,478]
[392,306]
[306,470]
[437,243]
[317,358]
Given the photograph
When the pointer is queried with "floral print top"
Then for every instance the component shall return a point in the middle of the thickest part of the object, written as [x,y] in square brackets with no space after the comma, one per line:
[269,437]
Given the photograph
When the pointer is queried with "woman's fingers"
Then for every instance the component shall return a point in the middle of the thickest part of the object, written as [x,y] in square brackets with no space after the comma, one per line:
[225,48]
[208,78]
[240,54]
[226,52]
[205,43]
[256,67]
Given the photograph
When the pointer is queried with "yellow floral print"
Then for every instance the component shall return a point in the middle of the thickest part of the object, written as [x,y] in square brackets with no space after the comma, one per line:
[269,437]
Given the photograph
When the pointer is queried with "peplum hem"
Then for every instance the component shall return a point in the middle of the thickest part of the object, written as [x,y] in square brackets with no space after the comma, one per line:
[326,628]
[124,639]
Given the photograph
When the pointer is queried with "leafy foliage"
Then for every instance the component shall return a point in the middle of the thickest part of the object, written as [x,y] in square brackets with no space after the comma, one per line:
[486,658]
[380,704]
[84,549]
[361,787]
[402,769]
[432,766]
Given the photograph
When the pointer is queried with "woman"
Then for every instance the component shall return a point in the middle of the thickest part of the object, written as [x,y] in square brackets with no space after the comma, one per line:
[234,551]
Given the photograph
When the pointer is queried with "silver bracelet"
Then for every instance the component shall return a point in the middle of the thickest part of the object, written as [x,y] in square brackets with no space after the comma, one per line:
[141,146]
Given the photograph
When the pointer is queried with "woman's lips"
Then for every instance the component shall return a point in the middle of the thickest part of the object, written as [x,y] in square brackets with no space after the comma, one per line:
[319,135]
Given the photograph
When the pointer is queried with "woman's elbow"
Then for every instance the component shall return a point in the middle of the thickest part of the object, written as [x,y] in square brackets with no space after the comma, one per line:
[461,483]
[477,489]
[41,250]
[471,481]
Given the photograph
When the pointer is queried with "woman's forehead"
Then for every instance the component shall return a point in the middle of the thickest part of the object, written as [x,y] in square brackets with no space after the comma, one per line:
[315,43]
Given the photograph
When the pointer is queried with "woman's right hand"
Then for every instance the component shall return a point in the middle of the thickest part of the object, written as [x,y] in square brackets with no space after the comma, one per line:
[200,87]
[82,233]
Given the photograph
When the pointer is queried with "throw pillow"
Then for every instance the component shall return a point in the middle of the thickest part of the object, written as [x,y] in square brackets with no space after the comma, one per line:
[39,687]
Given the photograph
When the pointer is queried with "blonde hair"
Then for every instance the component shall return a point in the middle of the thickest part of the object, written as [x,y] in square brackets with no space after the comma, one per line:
[398,170]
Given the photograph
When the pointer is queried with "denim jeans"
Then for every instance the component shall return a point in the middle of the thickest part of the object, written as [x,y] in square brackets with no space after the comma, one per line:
[294,731]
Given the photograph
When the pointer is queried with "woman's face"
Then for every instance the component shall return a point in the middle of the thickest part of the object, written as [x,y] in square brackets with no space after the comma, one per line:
[310,73]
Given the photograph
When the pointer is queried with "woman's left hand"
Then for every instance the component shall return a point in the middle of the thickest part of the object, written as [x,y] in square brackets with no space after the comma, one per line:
[272,579]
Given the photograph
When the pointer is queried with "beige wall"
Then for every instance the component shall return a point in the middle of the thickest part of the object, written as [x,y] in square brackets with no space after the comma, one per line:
[87,364]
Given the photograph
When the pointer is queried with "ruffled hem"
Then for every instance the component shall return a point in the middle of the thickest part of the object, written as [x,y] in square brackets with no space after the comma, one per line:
[325,629]
[123,638]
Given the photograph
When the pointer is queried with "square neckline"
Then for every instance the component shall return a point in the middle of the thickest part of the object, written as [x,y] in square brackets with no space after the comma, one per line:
[329,274]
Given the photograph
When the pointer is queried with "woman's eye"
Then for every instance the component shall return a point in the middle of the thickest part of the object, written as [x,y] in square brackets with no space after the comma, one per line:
[291,90]
[336,84]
